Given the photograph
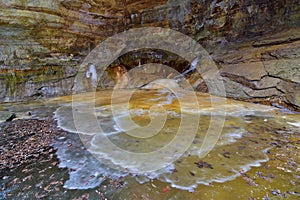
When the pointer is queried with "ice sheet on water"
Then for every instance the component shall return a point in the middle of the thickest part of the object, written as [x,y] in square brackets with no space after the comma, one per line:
[233,151]
[85,171]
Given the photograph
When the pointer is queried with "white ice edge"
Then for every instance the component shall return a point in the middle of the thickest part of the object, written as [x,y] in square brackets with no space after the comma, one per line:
[297,124]
[245,168]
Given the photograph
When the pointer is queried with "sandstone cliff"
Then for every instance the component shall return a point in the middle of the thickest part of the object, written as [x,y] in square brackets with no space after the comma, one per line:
[256,44]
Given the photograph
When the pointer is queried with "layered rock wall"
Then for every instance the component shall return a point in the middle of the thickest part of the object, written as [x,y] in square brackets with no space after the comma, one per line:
[263,69]
[255,43]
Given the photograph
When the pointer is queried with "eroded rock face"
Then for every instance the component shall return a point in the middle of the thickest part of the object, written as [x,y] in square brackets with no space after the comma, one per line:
[256,43]
[268,72]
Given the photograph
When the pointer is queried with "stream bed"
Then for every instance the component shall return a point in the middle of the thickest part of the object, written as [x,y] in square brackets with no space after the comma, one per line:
[154,144]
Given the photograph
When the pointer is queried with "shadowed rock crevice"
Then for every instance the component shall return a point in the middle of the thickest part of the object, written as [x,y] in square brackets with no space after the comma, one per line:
[144,66]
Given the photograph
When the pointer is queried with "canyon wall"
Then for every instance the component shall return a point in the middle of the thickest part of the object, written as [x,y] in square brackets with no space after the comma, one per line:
[256,44]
